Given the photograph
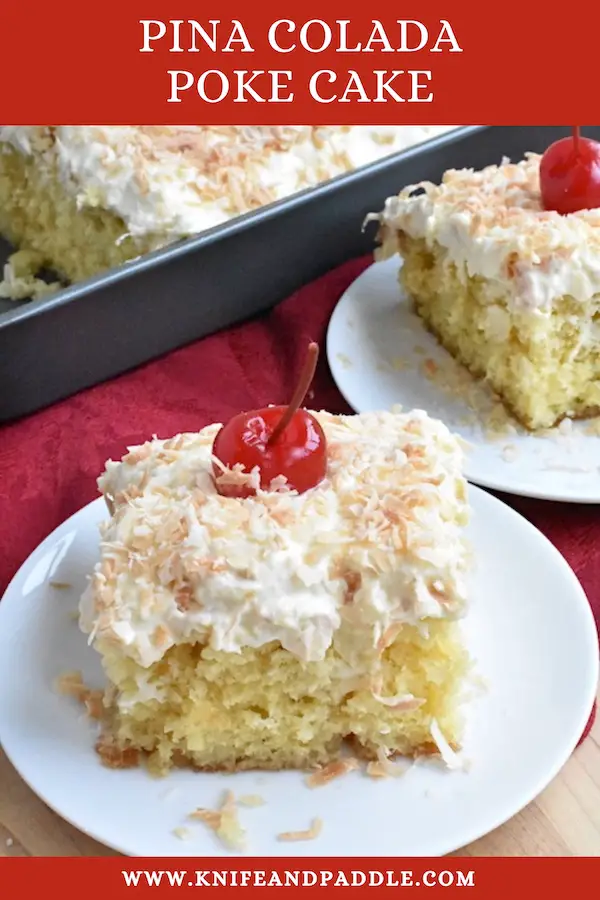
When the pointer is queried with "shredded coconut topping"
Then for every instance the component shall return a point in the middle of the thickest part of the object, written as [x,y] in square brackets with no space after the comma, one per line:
[378,543]
[492,224]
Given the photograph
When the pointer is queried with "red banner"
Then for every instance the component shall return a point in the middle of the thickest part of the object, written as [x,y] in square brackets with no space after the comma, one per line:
[326,62]
[456,877]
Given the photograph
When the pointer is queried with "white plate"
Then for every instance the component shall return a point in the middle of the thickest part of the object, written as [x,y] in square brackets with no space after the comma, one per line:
[531,629]
[377,350]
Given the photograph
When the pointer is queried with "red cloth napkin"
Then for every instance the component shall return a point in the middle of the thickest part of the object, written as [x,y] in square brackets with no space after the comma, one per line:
[49,461]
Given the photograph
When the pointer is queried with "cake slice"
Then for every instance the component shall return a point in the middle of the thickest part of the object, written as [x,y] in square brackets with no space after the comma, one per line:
[511,291]
[266,632]
[82,199]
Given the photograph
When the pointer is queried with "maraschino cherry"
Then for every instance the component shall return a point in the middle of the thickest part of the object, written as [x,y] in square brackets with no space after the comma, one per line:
[280,440]
[570,174]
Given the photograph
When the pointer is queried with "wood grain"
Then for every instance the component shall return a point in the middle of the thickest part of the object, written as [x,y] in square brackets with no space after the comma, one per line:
[563,821]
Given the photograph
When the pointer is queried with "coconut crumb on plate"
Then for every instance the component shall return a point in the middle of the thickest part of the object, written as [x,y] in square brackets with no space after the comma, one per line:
[251,800]
[184,834]
[333,770]
[71,684]
[224,822]
[345,360]
[385,768]
[510,453]
[60,585]
[593,429]
[309,835]
[450,758]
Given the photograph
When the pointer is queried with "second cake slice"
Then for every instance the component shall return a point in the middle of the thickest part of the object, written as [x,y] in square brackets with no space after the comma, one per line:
[512,291]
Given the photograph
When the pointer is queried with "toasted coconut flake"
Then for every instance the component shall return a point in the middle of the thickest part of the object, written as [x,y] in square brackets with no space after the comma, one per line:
[224,822]
[333,770]
[60,585]
[94,704]
[449,756]
[210,817]
[389,636]
[383,767]
[184,834]
[309,835]
[237,476]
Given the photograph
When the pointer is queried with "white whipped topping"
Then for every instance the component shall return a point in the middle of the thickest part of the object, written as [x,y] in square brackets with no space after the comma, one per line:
[379,542]
[175,181]
[492,225]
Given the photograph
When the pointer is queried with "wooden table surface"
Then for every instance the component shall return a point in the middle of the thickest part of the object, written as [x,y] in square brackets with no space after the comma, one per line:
[563,821]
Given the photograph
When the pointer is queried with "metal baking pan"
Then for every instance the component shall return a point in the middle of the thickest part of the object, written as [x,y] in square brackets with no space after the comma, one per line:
[94,330]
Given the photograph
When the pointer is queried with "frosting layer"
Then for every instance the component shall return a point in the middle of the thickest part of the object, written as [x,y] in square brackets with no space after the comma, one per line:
[492,225]
[377,544]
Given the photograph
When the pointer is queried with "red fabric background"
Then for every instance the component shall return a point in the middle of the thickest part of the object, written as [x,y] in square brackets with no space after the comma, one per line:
[49,462]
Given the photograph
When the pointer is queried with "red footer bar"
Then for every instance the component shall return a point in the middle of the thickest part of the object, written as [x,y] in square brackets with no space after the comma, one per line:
[502,878]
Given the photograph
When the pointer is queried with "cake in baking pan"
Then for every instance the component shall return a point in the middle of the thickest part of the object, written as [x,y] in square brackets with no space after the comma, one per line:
[252,624]
[511,289]
[82,199]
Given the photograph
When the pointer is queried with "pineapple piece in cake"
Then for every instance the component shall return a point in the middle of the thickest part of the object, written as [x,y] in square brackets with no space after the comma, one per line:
[266,632]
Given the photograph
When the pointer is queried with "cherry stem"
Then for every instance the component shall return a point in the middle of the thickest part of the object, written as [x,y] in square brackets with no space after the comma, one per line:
[576,135]
[306,377]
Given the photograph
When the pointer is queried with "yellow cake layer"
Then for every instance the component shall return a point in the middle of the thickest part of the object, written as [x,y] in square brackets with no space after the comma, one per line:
[266,709]
[37,214]
[542,366]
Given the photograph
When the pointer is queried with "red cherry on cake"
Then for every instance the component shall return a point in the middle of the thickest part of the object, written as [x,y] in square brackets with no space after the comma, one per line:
[280,440]
[570,174]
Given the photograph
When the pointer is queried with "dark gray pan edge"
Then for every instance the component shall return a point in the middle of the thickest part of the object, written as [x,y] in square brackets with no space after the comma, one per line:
[96,330]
